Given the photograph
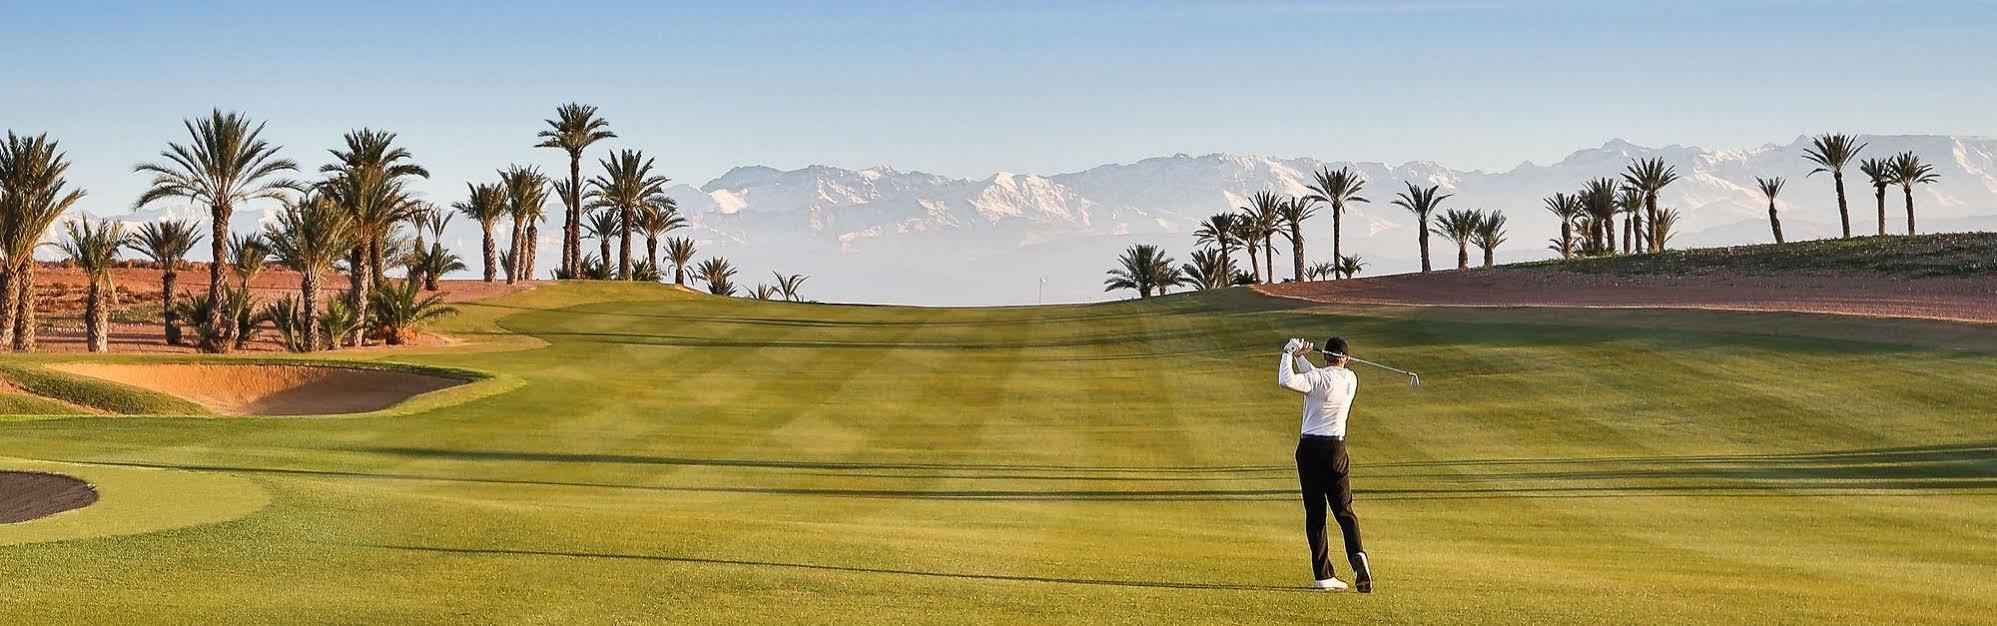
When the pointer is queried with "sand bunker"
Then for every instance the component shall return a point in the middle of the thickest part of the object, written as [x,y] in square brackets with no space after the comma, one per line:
[247,389]
[29,495]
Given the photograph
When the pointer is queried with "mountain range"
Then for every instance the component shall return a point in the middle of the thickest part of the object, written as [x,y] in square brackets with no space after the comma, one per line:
[883,235]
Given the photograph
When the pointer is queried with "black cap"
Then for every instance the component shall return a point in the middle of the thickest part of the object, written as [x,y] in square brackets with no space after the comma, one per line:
[1336,345]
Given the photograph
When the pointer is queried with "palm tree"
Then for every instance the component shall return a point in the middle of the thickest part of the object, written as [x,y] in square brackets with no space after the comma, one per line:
[1458,226]
[310,235]
[1248,233]
[764,292]
[1879,172]
[661,215]
[31,198]
[627,186]
[399,310]
[1421,202]
[95,249]
[1908,170]
[1831,153]
[485,204]
[1629,203]
[791,286]
[1598,200]
[1649,177]
[1351,265]
[1666,219]
[1208,270]
[1337,189]
[603,226]
[1772,187]
[247,254]
[1568,209]
[574,129]
[1293,212]
[1144,268]
[1267,215]
[679,251]
[167,243]
[1321,270]
[434,262]
[1490,233]
[719,275]
[369,181]
[225,164]
[1219,230]
[526,192]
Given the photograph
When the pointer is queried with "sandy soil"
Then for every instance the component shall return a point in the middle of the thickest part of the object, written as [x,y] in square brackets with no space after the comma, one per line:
[29,495]
[61,292]
[1952,299]
[248,389]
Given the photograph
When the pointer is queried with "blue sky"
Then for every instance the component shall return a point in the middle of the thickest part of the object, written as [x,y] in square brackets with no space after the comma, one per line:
[965,89]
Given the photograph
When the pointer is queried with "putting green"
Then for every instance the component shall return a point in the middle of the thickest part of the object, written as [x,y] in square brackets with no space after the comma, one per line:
[135,500]
[658,456]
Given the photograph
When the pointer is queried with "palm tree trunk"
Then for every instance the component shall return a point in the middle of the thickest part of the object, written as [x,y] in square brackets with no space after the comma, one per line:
[1909,189]
[624,243]
[679,275]
[169,317]
[1651,236]
[1254,261]
[652,250]
[533,243]
[9,299]
[1297,252]
[220,330]
[24,309]
[95,319]
[1844,211]
[491,252]
[603,245]
[1269,258]
[1226,260]
[1629,233]
[1879,193]
[1774,221]
[415,271]
[308,297]
[375,273]
[572,229]
[1422,239]
[358,296]
[1462,256]
[1488,257]
[1337,235]
[513,264]
[1609,235]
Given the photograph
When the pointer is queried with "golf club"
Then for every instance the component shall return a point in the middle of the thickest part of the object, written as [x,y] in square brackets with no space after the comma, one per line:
[1414,380]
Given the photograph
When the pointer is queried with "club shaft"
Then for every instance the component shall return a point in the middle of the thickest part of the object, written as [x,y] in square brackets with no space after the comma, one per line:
[1359,360]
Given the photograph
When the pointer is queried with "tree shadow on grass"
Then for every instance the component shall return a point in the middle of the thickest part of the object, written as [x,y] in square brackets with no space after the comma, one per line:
[1139,584]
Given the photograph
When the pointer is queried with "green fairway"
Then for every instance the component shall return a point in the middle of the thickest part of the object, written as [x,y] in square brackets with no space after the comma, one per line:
[642,454]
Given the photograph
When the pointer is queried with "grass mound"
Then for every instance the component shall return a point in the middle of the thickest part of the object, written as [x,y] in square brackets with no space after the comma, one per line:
[92,393]
[269,388]
[1921,256]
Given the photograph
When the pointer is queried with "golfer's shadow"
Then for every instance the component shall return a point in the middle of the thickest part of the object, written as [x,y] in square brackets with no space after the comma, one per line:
[1139,584]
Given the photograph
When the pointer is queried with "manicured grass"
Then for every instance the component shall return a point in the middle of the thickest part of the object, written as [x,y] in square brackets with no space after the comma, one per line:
[93,393]
[1948,254]
[667,457]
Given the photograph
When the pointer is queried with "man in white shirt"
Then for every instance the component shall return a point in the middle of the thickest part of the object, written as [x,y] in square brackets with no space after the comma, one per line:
[1322,465]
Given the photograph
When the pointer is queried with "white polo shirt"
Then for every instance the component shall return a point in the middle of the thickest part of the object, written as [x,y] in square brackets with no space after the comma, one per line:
[1328,393]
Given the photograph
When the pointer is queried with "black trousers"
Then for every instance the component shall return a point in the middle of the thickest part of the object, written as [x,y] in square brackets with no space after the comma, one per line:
[1324,470]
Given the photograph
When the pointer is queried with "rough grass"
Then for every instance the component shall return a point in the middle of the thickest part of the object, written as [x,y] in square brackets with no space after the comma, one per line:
[675,458]
[1922,256]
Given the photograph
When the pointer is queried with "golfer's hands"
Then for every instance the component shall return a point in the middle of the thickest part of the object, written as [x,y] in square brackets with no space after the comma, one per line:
[1293,346]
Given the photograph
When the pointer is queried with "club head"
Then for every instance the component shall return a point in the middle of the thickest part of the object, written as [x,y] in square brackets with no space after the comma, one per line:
[1414,380]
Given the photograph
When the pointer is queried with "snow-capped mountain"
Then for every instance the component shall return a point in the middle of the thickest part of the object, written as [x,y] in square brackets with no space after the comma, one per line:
[882,235]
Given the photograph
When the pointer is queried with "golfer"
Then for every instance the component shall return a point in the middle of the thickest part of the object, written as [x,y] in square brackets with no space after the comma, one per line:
[1322,465]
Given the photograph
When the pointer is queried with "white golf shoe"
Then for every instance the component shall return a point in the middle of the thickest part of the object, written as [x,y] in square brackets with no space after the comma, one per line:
[1331,584]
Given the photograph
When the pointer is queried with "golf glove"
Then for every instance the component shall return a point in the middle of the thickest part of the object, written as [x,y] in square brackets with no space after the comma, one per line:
[1292,346]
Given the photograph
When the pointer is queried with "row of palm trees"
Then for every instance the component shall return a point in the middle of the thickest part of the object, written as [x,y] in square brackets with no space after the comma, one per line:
[1832,153]
[361,215]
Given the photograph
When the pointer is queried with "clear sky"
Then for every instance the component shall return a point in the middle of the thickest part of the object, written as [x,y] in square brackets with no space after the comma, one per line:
[965,89]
